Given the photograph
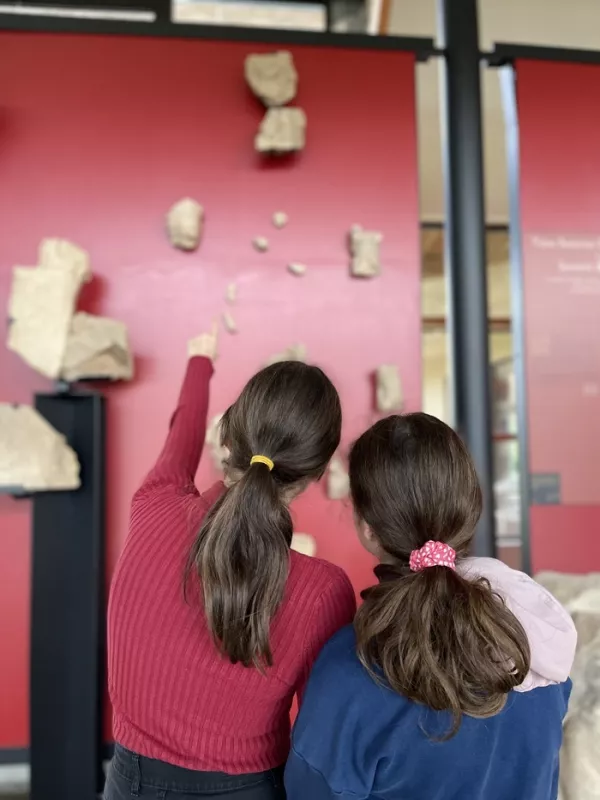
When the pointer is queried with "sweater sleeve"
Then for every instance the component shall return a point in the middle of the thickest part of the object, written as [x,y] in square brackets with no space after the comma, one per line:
[334,610]
[179,458]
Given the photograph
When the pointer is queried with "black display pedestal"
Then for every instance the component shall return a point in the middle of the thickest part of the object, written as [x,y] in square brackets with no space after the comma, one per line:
[67,612]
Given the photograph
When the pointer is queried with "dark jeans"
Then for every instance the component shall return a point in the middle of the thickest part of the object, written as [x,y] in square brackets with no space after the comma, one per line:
[131,775]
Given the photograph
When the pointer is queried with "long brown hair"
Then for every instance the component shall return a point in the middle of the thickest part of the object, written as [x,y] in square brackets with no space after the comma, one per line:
[290,413]
[434,636]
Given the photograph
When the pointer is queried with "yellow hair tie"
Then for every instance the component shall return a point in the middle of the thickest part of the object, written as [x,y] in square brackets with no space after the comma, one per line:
[262,460]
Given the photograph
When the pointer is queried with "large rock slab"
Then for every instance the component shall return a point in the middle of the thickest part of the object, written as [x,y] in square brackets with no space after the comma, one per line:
[33,455]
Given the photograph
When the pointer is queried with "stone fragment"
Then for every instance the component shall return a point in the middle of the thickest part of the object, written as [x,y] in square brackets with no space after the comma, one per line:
[97,347]
[282,130]
[33,455]
[297,269]
[364,251]
[41,305]
[261,243]
[218,452]
[304,543]
[280,219]
[62,254]
[231,293]
[272,77]
[185,222]
[579,764]
[229,323]
[389,388]
[296,352]
[338,480]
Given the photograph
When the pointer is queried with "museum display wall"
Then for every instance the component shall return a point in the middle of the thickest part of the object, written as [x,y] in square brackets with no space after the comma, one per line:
[312,251]
[560,216]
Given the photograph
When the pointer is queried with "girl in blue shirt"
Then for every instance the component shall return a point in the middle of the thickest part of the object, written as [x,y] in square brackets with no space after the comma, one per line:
[420,699]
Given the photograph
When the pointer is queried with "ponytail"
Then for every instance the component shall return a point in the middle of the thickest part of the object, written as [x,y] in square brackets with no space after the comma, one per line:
[431,635]
[442,641]
[241,554]
[290,412]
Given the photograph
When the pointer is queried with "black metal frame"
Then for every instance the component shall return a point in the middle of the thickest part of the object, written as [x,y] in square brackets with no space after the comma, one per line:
[466,250]
[504,54]
[67,658]
[422,47]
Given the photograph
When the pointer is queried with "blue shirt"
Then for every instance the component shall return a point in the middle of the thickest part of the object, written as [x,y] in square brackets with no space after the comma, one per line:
[357,740]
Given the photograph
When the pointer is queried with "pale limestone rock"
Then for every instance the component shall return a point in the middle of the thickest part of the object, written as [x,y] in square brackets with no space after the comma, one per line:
[184,224]
[297,269]
[280,219]
[304,543]
[338,480]
[97,347]
[41,305]
[296,352]
[579,763]
[364,251]
[218,452]
[389,388]
[272,77]
[33,455]
[229,323]
[261,243]
[62,254]
[282,130]
[231,293]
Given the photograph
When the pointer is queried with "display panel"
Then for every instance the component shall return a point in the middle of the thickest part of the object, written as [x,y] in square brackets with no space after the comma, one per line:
[100,136]
[560,216]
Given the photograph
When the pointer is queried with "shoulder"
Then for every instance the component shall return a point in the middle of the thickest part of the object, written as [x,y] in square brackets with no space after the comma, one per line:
[319,574]
[315,584]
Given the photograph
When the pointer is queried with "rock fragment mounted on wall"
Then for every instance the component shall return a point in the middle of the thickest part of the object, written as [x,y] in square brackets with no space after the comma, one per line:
[296,352]
[33,455]
[282,130]
[42,303]
[388,390]
[272,77]
[97,347]
[364,252]
[185,222]
[45,329]
[338,480]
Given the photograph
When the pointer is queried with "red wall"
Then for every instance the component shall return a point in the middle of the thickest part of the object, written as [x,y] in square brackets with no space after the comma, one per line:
[560,204]
[98,136]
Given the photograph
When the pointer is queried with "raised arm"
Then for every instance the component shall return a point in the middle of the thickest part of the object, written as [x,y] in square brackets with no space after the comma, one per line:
[180,455]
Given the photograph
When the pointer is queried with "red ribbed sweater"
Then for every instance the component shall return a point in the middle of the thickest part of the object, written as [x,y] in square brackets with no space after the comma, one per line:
[174,697]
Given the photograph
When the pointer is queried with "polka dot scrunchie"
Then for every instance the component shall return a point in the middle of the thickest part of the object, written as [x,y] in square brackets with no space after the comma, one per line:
[433,554]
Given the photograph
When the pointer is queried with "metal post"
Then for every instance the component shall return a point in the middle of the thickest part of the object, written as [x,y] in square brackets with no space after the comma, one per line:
[465,247]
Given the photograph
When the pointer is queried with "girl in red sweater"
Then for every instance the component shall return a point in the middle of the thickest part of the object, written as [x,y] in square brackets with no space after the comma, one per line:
[213,622]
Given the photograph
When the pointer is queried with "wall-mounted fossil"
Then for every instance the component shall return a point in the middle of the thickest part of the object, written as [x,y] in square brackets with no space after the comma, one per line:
[297,269]
[296,352]
[280,219]
[33,455]
[338,481]
[272,77]
[261,243]
[389,388]
[185,221]
[229,322]
[42,303]
[364,251]
[304,543]
[97,347]
[282,130]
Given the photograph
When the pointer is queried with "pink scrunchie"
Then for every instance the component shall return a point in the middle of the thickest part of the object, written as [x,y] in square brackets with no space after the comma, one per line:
[433,554]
